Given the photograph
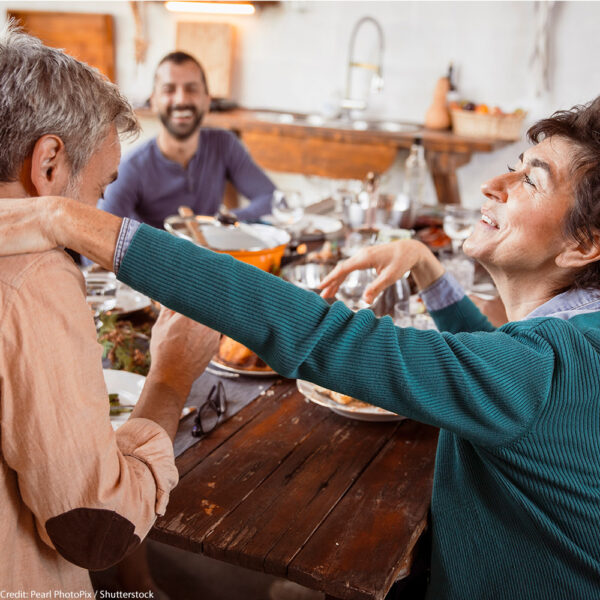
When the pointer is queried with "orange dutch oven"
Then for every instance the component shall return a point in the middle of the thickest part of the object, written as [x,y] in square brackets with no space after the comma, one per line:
[256,244]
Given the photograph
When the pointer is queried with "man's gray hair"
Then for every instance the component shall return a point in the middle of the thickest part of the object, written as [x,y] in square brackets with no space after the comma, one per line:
[45,91]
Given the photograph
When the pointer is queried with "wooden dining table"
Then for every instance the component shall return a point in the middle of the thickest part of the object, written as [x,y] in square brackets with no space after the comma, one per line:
[290,488]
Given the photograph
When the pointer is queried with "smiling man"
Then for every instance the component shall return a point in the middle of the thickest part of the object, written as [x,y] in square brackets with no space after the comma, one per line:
[186,164]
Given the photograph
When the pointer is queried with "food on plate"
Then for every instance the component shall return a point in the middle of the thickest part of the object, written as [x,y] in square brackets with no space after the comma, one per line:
[329,252]
[116,408]
[343,399]
[235,355]
[434,237]
[126,346]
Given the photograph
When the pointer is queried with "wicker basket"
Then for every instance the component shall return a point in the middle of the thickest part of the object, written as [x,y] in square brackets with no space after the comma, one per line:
[500,127]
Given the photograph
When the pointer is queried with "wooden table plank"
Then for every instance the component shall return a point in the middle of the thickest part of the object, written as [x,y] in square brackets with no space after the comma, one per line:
[274,522]
[360,549]
[191,457]
[232,470]
[290,488]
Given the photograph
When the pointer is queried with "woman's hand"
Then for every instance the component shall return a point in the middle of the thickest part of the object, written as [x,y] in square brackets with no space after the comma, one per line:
[26,225]
[391,261]
[45,222]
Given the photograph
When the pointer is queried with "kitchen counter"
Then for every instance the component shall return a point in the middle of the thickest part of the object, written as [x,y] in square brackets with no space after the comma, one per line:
[345,153]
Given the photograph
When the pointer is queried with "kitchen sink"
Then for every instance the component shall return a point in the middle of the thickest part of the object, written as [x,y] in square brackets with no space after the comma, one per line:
[389,126]
[315,120]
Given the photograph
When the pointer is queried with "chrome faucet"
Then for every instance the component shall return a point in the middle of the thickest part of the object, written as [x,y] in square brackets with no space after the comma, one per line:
[349,103]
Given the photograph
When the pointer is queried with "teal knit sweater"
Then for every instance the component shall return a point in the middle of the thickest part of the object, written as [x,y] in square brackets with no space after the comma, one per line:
[516,498]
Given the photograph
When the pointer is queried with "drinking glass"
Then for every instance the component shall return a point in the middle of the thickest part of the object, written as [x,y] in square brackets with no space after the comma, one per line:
[459,223]
[101,291]
[353,288]
[461,266]
[402,316]
[287,207]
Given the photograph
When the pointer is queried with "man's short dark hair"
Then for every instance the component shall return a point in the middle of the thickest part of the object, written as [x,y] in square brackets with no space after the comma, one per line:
[178,58]
[581,127]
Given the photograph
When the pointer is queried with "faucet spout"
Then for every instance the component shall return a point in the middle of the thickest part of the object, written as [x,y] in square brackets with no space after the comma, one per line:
[350,102]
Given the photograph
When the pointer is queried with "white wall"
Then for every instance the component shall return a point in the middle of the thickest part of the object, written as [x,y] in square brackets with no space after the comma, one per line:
[293,56]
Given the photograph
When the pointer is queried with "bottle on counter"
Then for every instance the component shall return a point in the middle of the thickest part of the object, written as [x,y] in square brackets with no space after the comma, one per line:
[453,96]
[437,115]
[369,199]
[415,172]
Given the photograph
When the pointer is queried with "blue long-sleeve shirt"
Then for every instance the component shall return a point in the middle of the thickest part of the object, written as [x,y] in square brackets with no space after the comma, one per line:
[150,187]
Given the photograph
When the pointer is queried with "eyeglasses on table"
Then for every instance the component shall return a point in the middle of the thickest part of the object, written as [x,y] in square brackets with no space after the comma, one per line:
[210,412]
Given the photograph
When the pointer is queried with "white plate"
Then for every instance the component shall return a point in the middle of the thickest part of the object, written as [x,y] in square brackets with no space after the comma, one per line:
[218,365]
[128,386]
[366,413]
[310,226]
[129,300]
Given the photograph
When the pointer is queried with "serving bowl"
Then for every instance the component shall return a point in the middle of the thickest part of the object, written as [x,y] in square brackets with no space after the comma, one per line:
[307,275]
[256,244]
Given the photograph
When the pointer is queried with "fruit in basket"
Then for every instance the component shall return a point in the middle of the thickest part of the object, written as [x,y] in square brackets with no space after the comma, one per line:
[479,120]
[484,109]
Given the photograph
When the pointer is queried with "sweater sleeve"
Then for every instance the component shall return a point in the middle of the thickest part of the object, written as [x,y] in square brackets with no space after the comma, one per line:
[478,385]
[451,309]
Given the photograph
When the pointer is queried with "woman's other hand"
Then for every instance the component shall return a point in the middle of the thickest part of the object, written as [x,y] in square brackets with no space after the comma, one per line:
[391,262]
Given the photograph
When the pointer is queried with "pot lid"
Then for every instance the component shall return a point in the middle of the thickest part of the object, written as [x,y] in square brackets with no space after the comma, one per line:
[242,237]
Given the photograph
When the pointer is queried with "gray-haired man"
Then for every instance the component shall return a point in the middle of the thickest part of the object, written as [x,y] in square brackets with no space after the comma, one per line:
[73,494]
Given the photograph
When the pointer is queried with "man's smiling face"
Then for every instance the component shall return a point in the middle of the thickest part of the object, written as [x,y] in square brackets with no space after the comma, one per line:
[180,98]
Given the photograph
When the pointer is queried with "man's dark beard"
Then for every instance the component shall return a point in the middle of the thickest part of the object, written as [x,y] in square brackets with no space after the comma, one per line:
[181,134]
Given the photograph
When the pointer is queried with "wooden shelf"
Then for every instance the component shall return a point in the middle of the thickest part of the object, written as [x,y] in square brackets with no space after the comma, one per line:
[347,154]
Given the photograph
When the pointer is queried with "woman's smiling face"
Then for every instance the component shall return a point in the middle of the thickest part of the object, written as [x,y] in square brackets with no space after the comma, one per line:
[521,229]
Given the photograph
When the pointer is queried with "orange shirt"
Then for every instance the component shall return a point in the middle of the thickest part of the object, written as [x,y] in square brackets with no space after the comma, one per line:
[73,494]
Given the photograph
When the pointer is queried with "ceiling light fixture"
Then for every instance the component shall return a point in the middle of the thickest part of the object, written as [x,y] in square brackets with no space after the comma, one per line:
[213,8]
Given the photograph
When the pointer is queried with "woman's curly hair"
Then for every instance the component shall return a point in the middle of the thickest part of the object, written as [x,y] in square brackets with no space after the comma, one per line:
[581,126]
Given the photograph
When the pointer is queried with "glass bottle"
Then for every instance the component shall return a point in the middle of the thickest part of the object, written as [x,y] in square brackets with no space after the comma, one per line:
[369,199]
[415,171]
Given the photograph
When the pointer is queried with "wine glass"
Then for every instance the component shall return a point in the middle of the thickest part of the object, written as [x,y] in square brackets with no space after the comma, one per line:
[287,207]
[459,223]
[352,289]
[101,292]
